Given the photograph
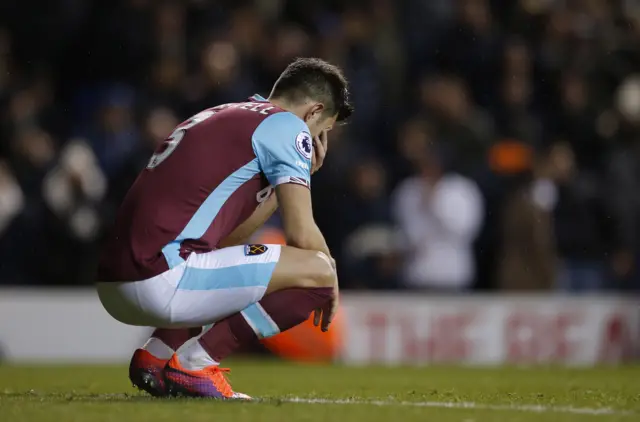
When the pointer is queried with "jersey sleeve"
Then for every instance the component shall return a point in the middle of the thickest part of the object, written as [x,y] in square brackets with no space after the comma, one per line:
[283,146]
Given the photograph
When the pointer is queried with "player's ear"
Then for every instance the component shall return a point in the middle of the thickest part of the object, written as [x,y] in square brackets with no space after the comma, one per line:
[314,113]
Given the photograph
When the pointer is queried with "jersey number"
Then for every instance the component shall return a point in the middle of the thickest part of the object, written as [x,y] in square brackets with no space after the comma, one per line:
[172,141]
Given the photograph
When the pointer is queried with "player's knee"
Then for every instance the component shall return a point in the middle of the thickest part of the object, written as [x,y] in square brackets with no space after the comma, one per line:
[324,273]
[302,269]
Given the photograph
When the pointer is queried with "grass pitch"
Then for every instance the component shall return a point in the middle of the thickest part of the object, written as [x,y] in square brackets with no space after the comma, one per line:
[288,392]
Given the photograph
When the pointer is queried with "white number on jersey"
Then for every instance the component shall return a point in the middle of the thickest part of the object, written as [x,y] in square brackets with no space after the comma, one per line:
[172,141]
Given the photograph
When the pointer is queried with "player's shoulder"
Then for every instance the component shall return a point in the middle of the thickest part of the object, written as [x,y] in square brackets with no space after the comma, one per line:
[282,130]
[282,122]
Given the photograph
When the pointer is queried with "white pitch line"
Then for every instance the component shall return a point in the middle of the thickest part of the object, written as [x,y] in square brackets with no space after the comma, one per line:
[468,405]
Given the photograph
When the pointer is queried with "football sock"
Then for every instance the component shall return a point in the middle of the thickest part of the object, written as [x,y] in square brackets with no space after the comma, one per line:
[164,341]
[276,312]
[193,357]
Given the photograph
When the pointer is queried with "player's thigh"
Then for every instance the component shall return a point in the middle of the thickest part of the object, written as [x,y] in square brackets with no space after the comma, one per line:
[222,282]
[141,303]
[301,268]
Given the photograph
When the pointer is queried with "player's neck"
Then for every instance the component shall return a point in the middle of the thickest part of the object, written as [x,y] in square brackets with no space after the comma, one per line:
[298,110]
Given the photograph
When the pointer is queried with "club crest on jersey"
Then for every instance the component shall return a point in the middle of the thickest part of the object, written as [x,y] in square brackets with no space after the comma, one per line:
[252,250]
[304,145]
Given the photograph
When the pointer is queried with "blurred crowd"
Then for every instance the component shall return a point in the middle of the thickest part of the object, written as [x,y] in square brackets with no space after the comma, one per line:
[495,144]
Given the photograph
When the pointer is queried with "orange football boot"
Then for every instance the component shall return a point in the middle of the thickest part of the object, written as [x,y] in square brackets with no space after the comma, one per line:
[208,382]
[145,372]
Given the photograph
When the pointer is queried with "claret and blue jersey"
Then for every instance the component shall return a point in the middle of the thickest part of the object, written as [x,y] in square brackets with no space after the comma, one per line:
[207,178]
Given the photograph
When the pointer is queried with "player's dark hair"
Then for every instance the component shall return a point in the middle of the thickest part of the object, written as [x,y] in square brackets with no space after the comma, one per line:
[311,78]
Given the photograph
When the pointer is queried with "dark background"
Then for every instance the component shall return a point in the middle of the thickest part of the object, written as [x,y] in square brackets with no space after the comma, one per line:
[536,101]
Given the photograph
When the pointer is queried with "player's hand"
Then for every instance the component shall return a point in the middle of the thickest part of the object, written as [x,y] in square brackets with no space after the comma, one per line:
[324,316]
[320,146]
[332,309]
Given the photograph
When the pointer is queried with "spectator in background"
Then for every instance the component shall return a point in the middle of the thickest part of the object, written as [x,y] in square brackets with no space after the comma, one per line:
[33,152]
[624,182]
[170,29]
[5,63]
[552,228]
[527,258]
[388,49]
[370,246]
[114,135]
[158,125]
[373,258]
[439,213]
[362,68]
[220,79]
[73,191]
[31,107]
[578,214]
[470,48]
[367,200]
[11,205]
[167,84]
[476,76]
[414,137]
[579,221]
[514,116]
[458,122]
[576,121]
[513,111]
[11,197]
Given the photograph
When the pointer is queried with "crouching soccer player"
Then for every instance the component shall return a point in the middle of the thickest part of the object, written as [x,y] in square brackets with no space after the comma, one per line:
[170,261]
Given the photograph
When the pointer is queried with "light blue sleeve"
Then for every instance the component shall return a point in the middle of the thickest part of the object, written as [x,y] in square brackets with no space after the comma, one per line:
[283,146]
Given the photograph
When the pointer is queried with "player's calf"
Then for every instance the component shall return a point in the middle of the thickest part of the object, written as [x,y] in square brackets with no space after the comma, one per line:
[194,370]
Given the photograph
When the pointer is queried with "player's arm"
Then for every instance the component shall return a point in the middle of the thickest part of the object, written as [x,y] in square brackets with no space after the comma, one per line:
[284,149]
[300,228]
[244,231]
[265,210]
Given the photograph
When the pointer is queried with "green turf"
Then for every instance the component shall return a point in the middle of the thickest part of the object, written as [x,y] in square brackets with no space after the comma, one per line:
[102,393]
